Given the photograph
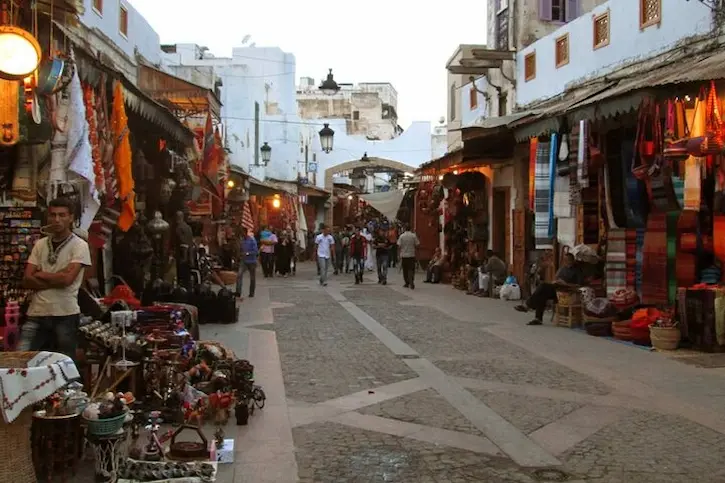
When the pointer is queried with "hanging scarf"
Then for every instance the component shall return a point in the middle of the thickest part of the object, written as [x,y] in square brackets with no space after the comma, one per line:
[553,158]
[122,159]
[583,155]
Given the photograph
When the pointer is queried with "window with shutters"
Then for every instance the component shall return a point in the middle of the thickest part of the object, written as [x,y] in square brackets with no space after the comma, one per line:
[530,66]
[98,7]
[123,21]
[502,30]
[650,13]
[601,30]
[559,11]
[562,50]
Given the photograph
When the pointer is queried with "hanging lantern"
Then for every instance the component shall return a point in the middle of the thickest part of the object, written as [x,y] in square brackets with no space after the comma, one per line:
[329,87]
[326,137]
[20,53]
[266,151]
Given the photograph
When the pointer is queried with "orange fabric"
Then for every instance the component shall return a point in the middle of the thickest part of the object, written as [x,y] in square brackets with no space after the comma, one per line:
[642,318]
[122,160]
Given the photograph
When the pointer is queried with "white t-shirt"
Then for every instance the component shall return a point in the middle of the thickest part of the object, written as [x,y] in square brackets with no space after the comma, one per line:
[324,245]
[58,301]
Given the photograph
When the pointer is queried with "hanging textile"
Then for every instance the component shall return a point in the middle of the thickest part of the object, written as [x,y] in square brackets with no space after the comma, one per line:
[654,260]
[631,256]
[672,218]
[79,153]
[639,257]
[89,99]
[693,183]
[562,205]
[616,261]
[541,196]
[533,143]
[718,236]
[635,190]
[247,219]
[575,191]
[553,157]
[608,200]
[583,154]
[122,159]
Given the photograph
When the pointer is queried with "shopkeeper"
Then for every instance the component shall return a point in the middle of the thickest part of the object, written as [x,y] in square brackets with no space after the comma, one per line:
[55,271]
[569,277]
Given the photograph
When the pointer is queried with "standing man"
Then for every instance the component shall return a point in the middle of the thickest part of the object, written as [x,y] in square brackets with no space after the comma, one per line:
[382,254]
[268,240]
[248,262]
[408,243]
[184,244]
[358,253]
[344,261]
[393,238]
[55,270]
[325,253]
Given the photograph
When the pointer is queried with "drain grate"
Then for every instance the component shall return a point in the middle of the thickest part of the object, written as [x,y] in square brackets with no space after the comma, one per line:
[550,474]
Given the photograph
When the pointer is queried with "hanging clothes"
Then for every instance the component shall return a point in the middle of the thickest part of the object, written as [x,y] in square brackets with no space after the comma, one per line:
[122,159]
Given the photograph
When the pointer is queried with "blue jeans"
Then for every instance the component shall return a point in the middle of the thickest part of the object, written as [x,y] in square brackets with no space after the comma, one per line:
[323,265]
[51,333]
[382,260]
[252,269]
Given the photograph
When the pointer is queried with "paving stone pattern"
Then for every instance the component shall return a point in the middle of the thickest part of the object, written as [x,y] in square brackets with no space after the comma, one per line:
[368,295]
[326,353]
[332,453]
[644,447]
[527,413]
[466,349]
[425,407]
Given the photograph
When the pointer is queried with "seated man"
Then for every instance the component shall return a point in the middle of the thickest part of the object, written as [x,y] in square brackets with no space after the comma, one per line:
[569,277]
[494,269]
[435,266]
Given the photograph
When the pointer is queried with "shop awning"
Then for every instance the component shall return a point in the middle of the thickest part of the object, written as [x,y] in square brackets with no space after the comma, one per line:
[305,189]
[489,123]
[90,67]
[181,97]
[386,202]
[447,160]
[622,91]
[259,187]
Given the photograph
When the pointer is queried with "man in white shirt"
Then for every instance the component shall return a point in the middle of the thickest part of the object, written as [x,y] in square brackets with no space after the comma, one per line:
[325,253]
[408,243]
[55,270]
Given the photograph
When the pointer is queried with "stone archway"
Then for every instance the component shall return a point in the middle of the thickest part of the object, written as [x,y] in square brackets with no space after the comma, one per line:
[372,162]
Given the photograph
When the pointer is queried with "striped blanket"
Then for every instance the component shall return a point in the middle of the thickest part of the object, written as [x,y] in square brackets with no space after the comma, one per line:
[616,264]
[542,195]
[583,155]
[654,261]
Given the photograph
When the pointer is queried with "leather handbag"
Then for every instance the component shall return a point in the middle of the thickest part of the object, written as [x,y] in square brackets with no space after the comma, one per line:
[646,146]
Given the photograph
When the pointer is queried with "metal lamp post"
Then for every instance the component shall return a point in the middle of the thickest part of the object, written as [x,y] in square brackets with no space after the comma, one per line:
[326,137]
[329,86]
[266,151]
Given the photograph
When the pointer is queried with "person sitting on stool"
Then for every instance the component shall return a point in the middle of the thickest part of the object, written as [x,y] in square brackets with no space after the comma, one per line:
[569,277]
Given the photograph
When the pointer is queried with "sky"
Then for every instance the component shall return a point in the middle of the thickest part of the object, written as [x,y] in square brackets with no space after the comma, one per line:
[403,42]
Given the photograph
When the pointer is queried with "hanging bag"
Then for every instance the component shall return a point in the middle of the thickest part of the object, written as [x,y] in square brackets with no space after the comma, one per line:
[711,141]
[677,132]
[642,147]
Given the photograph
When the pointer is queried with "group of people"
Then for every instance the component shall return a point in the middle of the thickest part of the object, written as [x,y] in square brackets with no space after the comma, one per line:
[358,250]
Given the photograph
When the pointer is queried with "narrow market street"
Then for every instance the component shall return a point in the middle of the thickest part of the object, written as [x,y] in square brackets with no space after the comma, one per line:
[379,383]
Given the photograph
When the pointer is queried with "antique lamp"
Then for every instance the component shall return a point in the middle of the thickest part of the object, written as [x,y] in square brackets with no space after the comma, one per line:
[326,136]
[266,152]
[329,86]
[20,53]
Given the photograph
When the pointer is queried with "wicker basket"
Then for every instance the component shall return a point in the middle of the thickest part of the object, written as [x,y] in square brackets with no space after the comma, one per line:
[622,330]
[105,427]
[568,298]
[665,338]
[16,453]
[228,277]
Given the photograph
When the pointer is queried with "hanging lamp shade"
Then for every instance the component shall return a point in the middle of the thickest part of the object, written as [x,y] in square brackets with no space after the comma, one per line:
[20,53]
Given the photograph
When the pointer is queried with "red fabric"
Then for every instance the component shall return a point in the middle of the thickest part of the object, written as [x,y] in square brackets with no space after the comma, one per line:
[654,264]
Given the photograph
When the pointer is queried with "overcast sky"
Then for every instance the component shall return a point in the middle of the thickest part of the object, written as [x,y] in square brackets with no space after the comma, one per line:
[403,42]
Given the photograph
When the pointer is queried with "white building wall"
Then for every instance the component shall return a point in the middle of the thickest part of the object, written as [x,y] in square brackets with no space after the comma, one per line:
[628,43]
[141,38]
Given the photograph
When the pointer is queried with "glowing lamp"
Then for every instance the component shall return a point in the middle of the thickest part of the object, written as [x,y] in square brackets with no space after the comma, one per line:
[276,203]
[349,197]
[440,177]
[230,184]
[20,53]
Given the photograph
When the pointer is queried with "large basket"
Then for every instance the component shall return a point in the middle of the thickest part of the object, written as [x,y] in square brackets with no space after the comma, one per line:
[16,453]
[105,427]
[665,338]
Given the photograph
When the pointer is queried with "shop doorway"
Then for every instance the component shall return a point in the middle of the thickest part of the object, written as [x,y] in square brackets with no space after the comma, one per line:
[501,222]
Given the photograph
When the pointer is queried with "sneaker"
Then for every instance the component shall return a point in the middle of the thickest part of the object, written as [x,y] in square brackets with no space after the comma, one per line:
[534,322]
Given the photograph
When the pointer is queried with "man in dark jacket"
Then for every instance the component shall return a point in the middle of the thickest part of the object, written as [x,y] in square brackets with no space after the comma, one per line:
[248,262]
[358,253]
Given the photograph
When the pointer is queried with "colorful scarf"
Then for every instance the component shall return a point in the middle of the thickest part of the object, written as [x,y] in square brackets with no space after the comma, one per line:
[542,195]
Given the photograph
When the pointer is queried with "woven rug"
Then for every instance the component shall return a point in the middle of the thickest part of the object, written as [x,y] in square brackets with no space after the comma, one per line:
[654,261]
[583,155]
[635,196]
[542,195]
[631,255]
[693,183]
[640,258]
[616,264]
[672,238]
[553,158]
[575,190]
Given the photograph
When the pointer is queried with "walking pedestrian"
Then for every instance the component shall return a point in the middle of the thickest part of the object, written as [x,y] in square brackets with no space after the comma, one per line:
[55,271]
[393,238]
[370,260]
[248,262]
[382,254]
[344,261]
[358,253]
[268,240]
[325,253]
[283,252]
[408,243]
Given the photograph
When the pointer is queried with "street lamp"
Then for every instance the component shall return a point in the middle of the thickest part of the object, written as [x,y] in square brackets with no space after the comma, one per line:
[365,158]
[329,86]
[20,53]
[326,135]
[266,151]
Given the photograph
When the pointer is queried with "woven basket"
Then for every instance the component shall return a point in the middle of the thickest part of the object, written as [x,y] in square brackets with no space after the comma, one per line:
[665,338]
[568,298]
[622,330]
[16,453]
[105,427]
